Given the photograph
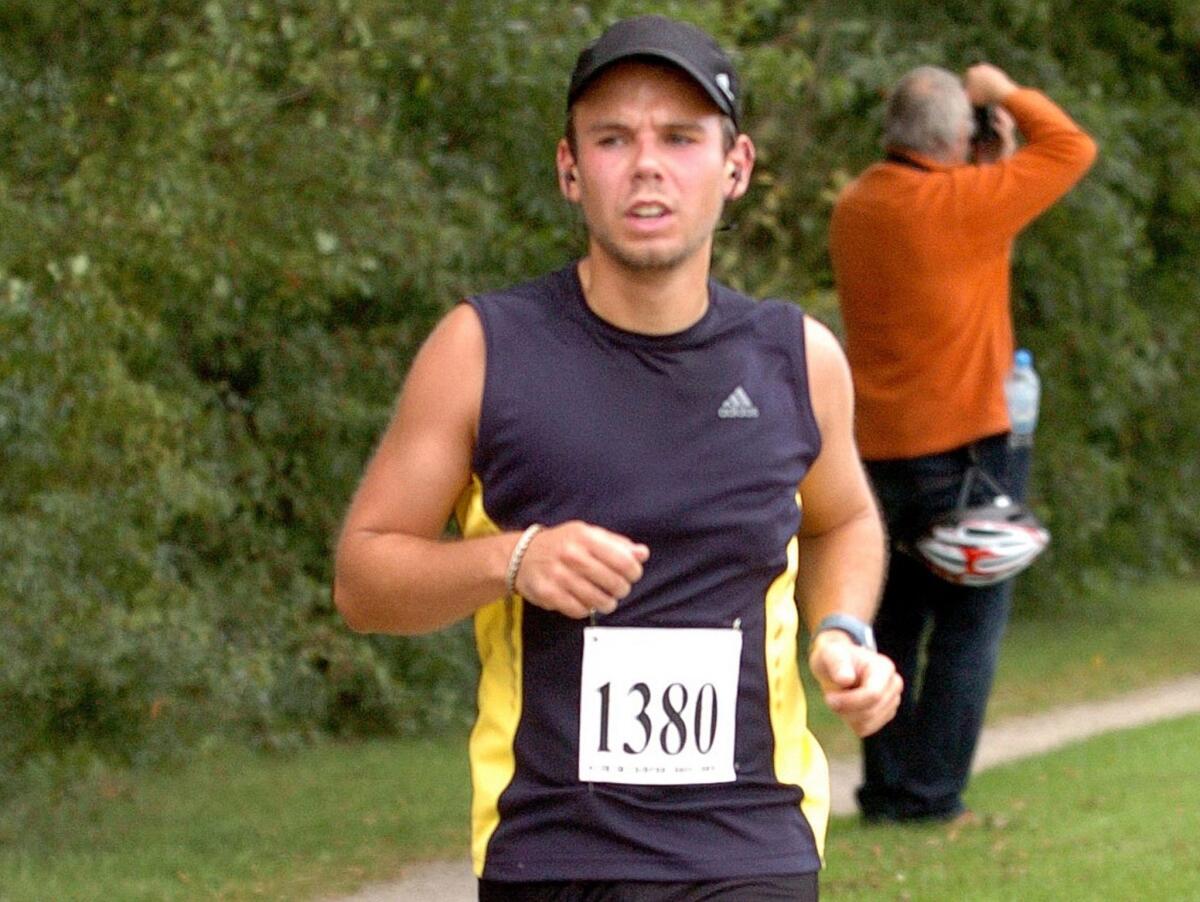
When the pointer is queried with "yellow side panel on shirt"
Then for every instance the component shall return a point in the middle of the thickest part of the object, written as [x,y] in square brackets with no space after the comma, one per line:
[498,640]
[799,758]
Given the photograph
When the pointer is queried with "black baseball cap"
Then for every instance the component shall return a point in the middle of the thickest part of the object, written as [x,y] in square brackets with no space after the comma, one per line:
[658,37]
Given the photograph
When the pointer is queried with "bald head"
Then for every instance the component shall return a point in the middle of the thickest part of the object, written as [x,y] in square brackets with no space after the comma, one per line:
[928,113]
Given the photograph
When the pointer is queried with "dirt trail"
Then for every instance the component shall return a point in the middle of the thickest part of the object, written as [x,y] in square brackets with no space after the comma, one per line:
[1010,740]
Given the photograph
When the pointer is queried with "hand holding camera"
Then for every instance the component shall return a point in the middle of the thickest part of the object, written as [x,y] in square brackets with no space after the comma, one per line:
[987,87]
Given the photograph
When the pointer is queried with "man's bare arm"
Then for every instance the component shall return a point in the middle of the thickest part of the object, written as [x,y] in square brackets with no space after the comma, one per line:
[841,537]
[842,550]
[395,573]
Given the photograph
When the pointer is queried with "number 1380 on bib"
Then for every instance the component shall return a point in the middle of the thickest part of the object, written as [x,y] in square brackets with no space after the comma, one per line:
[658,706]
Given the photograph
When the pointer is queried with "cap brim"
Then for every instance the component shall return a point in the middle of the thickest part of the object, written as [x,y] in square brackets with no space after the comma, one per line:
[723,103]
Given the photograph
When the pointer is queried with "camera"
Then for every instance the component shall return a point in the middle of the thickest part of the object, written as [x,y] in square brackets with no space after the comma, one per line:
[986,143]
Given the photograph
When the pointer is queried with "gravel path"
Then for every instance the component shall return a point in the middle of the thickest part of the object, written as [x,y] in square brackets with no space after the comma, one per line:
[1021,737]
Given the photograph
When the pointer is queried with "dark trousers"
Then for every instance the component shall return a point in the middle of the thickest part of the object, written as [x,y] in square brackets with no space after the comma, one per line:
[944,639]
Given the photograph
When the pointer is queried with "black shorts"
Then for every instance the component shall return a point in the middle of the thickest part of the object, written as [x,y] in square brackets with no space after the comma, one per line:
[790,888]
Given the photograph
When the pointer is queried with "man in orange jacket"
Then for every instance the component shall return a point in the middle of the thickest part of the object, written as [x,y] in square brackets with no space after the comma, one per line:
[921,247]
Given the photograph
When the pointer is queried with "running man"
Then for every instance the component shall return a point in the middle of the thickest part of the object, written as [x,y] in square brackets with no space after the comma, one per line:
[649,471]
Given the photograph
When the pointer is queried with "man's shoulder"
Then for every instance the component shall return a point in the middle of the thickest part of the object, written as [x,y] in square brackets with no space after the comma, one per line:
[880,179]
[523,306]
[734,303]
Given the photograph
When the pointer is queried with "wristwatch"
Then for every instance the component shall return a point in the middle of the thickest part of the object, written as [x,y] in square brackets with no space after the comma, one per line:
[860,633]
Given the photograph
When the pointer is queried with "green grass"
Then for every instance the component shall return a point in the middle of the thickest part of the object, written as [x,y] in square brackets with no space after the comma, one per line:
[1117,817]
[241,825]
[238,825]
[1106,642]
[1103,643]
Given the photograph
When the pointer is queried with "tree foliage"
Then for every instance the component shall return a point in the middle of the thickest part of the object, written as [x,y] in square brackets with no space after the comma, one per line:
[228,224]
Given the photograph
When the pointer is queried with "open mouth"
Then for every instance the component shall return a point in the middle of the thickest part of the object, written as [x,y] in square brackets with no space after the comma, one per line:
[648,211]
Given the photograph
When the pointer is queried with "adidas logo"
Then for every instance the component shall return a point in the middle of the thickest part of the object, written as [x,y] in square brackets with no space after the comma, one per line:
[737,406]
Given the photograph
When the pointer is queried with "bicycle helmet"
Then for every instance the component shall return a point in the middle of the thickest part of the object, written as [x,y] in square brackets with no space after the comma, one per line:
[983,544]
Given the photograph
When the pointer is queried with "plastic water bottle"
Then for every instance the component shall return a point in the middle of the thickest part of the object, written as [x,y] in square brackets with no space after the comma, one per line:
[1023,392]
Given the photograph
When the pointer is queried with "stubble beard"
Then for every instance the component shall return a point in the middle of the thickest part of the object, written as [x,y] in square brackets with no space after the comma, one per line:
[649,260]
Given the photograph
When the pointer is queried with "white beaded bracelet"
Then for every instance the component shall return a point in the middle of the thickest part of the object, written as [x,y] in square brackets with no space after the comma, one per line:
[514,562]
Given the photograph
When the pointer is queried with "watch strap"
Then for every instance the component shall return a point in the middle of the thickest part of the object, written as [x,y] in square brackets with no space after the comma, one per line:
[860,633]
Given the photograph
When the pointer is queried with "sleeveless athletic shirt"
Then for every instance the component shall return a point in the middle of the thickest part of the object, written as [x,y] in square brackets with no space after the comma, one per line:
[694,444]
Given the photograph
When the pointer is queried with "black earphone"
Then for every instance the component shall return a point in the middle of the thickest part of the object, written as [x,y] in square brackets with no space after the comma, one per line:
[736,175]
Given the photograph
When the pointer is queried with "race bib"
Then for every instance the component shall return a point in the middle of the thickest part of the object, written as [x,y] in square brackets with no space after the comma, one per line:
[658,706]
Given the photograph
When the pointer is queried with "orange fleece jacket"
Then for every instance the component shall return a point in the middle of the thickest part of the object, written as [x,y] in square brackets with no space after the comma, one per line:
[921,260]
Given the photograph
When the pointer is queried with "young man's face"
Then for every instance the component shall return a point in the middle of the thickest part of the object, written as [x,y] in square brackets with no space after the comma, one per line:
[651,172]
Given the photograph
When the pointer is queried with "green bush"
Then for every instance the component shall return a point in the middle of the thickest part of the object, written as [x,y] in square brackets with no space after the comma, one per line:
[229,224]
